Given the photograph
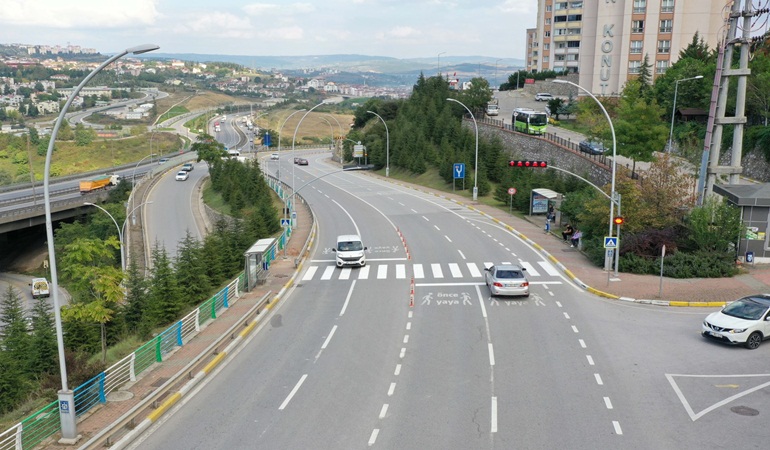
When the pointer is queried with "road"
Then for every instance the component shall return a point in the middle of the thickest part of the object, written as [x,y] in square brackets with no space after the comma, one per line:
[346,362]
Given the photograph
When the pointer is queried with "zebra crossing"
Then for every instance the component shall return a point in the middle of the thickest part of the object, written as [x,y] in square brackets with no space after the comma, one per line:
[436,271]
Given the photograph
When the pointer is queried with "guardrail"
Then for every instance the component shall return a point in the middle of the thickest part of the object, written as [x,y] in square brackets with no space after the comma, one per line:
[32,430]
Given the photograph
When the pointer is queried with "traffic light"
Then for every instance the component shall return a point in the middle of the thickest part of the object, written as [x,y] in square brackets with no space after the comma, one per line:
[618,220]
[542,164]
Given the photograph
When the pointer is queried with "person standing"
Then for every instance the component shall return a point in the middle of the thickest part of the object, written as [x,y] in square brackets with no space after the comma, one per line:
[547,223]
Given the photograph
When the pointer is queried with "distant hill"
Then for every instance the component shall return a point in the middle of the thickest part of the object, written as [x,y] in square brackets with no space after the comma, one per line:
[351,63]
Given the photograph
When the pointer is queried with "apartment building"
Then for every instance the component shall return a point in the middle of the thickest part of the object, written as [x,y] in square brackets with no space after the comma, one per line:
[605,41]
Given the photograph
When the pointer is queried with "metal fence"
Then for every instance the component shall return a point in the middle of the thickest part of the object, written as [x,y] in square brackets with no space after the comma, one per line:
[34,429]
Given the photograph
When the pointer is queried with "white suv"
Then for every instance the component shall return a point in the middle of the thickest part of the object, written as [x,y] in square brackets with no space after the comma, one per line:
[543,97]
[745,321]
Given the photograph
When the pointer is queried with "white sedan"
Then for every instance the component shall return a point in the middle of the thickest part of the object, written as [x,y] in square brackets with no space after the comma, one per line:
[182,175]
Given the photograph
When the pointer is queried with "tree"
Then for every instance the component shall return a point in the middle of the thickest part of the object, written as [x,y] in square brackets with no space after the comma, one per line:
[134,308]
[208,149]
[715,226]
[478,95]
[83,136]
[555,106]
[645,76]
[191,269]
[697,49]
[638,129]
[14,384]
[165,301]
[13,329]
[44,348]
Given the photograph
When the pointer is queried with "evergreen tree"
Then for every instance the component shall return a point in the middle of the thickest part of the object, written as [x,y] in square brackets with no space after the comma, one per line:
[13,328]
[191,270]
[14,384]
[44,352]
[697,49]
[134,309]
[645,76]
[164,294]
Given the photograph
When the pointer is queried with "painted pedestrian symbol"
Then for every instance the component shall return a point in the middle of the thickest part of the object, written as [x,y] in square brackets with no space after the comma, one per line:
[466,298]
[427,298]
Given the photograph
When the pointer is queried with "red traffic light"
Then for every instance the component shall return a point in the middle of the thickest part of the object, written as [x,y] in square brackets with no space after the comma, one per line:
[542,164]
[618,220]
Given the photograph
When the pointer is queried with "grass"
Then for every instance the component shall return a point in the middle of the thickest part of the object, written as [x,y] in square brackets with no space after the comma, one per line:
[118,351]
[214,200]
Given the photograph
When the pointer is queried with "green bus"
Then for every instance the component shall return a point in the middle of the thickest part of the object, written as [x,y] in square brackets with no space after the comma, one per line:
[529,121]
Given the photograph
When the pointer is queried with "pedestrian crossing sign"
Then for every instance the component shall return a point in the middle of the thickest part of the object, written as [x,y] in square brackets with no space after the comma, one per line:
[285,222]
[610,242]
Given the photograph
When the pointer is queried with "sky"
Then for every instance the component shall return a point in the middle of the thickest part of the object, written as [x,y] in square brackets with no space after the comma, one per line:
[394,28]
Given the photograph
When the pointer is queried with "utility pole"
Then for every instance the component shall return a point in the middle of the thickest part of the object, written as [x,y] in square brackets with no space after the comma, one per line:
[710,167]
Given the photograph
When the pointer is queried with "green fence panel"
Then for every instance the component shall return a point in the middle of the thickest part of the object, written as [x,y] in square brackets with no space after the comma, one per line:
[40,425]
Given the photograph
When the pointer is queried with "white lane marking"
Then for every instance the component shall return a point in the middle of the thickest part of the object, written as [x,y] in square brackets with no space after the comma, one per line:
[506,263]
[384,410]
[418,272]
[447,238]
[406,338]
[382,271]
[493,427]
[582,343]
[616,424]
[293,391]
[531,271]
[461,254]
[549,269]
[426,219]
[697,416]
[454,268]
[436,227]
[474,270]
[347,298]
[607,403]
[403,353]
[491,354]
[310,273]
[414,211]
[558,304]
[327,275]
[590,360]
[398,370]
[574,328]
[409,315]
[437,273]
[400,271]
[363,273]
[479,283]
[481,303]
[373,437]
[329,338]
[566,316]
[345,273]
[409,325]
[599,379]
[391,389]
[401,204]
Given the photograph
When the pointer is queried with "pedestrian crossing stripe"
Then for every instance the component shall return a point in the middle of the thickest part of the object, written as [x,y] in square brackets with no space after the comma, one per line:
[422,271]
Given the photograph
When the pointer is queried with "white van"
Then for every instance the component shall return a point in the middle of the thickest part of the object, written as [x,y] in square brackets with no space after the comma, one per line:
[40,288]
[350,251]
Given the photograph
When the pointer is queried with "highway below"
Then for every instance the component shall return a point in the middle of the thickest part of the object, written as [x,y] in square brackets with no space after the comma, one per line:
[349,360]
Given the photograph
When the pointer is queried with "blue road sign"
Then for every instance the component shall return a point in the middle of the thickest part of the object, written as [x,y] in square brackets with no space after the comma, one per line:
[459,170]
[64,406]
[285,222]
[610,242]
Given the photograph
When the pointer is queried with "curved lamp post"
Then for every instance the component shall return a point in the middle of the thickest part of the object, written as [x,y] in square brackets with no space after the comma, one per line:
[331,130]
[614,164]
[476,165]
[133,184]
[278,173]
[66,396]
[293,139]
[438,63]
[673,110]
[120,229]
[387,144]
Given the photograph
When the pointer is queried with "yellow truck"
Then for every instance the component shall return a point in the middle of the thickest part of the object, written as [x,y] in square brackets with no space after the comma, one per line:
[100,182]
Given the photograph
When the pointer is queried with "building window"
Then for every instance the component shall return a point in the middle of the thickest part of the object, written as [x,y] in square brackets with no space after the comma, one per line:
[664,46]
[666,25]
[548,21]
[534,53]
[558,58]
[560,19]
[574,31]
[545,59]
[636,47]
[546,46]
[667,6]
[574,18]
[561,44]
[548,8]
[661,66]
[637,26]
[634,66]
[573,44]
[576,5]
[560,32]
[560,5]
[572,57]
[547,34]
[640,6]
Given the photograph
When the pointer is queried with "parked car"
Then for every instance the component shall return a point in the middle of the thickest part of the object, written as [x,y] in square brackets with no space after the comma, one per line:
[592,147]
[506,280]
[543,97]
[182,175]
[302,162]
[745,321]
[187,167]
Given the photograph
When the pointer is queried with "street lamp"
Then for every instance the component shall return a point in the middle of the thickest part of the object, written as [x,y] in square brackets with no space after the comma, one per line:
[120,229]
[608,261]
[673,110]
[293,139]
[476,165]
[387,144]
[278,174]
[496,61]
[438,63]
[66,397]
[331,130]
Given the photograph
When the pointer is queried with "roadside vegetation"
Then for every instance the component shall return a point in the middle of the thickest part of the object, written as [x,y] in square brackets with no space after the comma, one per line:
[427,137]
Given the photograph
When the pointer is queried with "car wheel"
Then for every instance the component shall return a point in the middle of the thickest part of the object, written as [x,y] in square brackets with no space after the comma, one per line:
[755,338]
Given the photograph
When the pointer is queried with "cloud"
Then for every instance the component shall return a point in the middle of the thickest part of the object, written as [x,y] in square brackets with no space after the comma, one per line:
[292,33]
[216,24]
[403,32]
[517,6]
[273,9]
[80,14]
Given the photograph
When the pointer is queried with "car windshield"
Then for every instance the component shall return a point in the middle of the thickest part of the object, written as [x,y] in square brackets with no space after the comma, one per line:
[350,246]
[508,274]
[745,308]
